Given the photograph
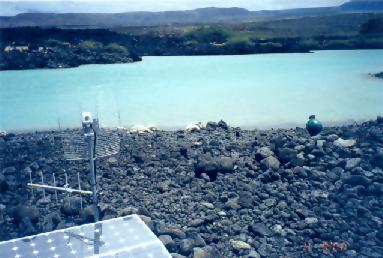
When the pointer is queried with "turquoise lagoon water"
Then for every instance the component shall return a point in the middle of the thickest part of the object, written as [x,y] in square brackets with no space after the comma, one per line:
[253,91]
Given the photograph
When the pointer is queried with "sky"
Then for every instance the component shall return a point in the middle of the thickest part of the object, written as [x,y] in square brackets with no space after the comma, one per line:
[13,7]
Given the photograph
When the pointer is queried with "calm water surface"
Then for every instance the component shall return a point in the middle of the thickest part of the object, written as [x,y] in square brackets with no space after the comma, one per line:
[170,92]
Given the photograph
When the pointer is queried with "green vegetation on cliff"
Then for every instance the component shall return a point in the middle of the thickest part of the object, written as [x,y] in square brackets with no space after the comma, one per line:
[39,46]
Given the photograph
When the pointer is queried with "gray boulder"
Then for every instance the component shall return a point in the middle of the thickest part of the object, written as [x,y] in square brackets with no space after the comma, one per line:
[211,126]
[51,221]
[260,229]
[71,206]
[263,152]
[239,245]
[9,171]
[222,124]
[3,184]
[286,154]
[206,252]
[170,230]
[355,180]
[344,143]
[186,246]
[168,242]
[87,215]
[352,163]
[174,255]
[270,162]
[379,235]
[212,165]
[21,212]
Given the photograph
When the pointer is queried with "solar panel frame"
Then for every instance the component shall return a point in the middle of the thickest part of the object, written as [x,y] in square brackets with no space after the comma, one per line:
[124,237]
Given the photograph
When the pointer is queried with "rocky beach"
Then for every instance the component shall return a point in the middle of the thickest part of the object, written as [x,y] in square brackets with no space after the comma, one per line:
[214,192]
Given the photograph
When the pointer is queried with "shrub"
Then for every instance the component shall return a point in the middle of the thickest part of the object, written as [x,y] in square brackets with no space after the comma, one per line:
[310,43]
[56,43]
[209,34]
[372,26]
[90,44]
[114,47]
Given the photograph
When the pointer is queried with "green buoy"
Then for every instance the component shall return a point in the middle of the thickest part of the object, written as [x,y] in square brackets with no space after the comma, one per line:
[313,126]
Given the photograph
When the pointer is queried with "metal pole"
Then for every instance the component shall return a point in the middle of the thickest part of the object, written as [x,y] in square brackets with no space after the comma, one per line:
[89,140]
[79,187]
[97,236]
[42,182]
[30,180]
[54,184]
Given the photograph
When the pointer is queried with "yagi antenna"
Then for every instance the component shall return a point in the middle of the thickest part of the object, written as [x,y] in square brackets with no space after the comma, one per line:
[121,237]
[89,143]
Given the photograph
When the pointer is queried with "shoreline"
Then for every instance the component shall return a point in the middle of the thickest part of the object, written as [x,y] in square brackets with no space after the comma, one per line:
[135,59]
[260,127]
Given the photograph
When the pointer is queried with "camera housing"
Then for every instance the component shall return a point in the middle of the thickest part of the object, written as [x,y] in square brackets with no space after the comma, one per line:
[87,118]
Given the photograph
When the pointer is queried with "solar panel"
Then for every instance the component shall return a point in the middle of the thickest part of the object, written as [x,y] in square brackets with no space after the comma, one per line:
[125,237]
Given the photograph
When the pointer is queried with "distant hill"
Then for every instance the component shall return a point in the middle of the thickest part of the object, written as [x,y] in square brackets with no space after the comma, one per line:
[202,15]
[363,6]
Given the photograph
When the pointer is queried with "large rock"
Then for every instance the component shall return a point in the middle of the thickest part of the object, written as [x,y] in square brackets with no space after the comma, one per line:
[239,245]
[127,211]
[211,126]
[175,255]
[311,220]
[245,200]
[170,230]
[352,163]
[344,143]
[377,160]
[22,212]
[263,153]
[9,171]
[51,221]
[379,235]
[196,237]
[196,222]
[168,242]
[27,227]
[206,252]
[355,180]
[3,133]
[34,165]
[71,206]
[376,189]
[186,246]
[376,134]
[270,162]
[107,211]
[286,154]
[3,184]
[222,124]
[253,254]
[212,165]
[87,214]
[260,229]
